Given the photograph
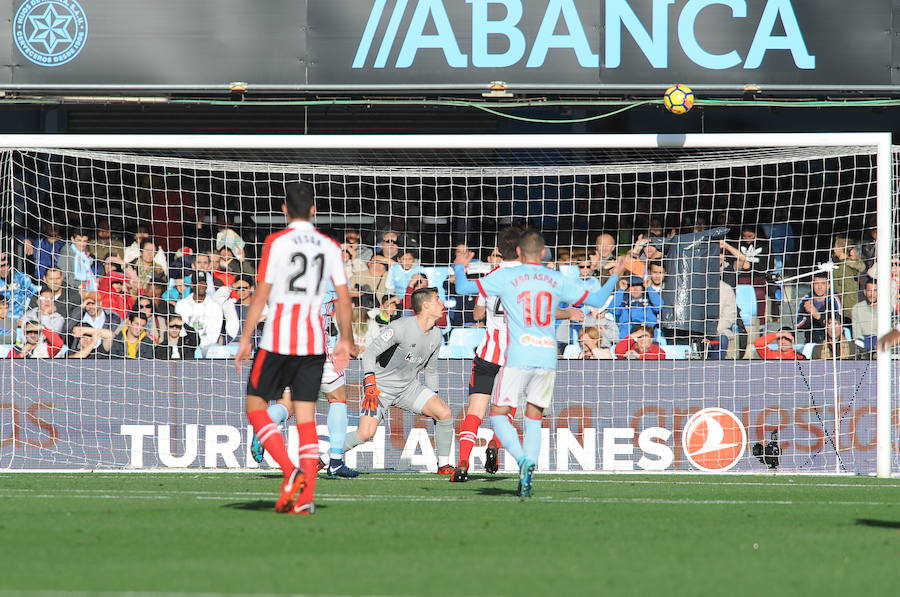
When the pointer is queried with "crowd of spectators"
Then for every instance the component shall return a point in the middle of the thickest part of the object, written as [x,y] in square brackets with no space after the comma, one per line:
[691,291]
[92,295]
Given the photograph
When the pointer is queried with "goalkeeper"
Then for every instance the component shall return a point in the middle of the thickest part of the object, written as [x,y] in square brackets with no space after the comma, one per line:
[392,363]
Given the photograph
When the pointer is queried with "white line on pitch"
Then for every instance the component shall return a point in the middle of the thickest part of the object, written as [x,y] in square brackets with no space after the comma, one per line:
[670,482]
[49,593]
[467,498]
[673,482]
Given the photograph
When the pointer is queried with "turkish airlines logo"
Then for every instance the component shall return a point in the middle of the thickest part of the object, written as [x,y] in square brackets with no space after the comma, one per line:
[714,439]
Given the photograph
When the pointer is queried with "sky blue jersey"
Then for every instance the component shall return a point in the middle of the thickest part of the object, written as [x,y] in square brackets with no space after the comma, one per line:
[530,294]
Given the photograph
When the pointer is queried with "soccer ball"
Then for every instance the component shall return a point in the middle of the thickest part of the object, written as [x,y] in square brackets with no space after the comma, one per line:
[678,99]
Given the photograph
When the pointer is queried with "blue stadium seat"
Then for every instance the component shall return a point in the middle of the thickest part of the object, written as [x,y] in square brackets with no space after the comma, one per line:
[470,337]
[570,271]
[436,278]
[745,298]
[572,351]
[806,349]
[676,351]
[218,351]
[455,352]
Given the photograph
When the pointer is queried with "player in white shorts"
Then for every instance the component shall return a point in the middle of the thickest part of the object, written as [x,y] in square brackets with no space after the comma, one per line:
[333,387]
[489,358]
[530,294]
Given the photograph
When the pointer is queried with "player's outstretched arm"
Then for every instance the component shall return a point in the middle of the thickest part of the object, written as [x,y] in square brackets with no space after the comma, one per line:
[599,297]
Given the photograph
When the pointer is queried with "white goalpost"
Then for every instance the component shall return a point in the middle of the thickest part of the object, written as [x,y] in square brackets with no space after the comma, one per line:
[214,197]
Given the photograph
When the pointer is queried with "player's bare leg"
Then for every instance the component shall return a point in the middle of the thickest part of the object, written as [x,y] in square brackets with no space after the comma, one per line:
[305,413]
[368,425]
[440,413]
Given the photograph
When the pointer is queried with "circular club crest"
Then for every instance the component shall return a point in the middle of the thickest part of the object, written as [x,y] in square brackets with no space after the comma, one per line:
[50,32]
[714,439]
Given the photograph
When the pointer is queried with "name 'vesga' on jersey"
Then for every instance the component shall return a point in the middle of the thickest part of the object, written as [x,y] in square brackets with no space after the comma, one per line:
[671,25]
[311,239]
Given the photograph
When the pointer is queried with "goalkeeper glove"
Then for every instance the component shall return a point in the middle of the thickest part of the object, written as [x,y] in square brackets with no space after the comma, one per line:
[370,395]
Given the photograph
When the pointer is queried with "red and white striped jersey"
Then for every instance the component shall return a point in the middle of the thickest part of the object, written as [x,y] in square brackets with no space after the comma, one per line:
[493,348]
[298,262]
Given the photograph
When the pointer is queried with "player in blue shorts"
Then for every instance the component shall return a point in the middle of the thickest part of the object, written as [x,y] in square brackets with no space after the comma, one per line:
[530,294]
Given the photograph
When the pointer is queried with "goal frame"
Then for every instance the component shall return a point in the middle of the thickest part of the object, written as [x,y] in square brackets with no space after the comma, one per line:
[880,141]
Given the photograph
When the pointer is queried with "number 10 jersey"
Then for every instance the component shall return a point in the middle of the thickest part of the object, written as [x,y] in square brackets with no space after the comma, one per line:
[530,294]
[298,262]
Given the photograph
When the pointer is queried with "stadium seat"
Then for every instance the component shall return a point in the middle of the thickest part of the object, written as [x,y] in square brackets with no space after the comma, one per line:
[745,298]
[218,351]
[806,349]
[470,337]
[572,351]
[676,351]
[455,352]
[436,277]
[659,337]
[570,271]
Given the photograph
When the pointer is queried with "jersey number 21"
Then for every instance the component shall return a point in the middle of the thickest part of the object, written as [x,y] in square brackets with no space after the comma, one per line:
[303,262]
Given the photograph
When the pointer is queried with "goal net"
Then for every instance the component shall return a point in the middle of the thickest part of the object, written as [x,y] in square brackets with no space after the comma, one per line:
[741,339]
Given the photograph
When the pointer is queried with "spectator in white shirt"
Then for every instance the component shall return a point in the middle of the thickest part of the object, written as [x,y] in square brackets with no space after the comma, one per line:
[202,313]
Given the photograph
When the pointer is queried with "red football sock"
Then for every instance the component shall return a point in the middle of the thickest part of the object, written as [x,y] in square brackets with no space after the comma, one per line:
[468,434]
[309,459]
[269,436]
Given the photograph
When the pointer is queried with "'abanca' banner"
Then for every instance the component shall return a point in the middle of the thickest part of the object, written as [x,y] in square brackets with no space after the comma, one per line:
[373,45]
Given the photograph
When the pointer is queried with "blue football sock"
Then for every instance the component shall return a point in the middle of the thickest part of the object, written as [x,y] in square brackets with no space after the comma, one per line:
[532,441]
[278,413]
[337,429]
[508,435]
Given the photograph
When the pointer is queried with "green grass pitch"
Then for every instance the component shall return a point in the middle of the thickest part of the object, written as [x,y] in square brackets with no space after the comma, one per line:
[418,535]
